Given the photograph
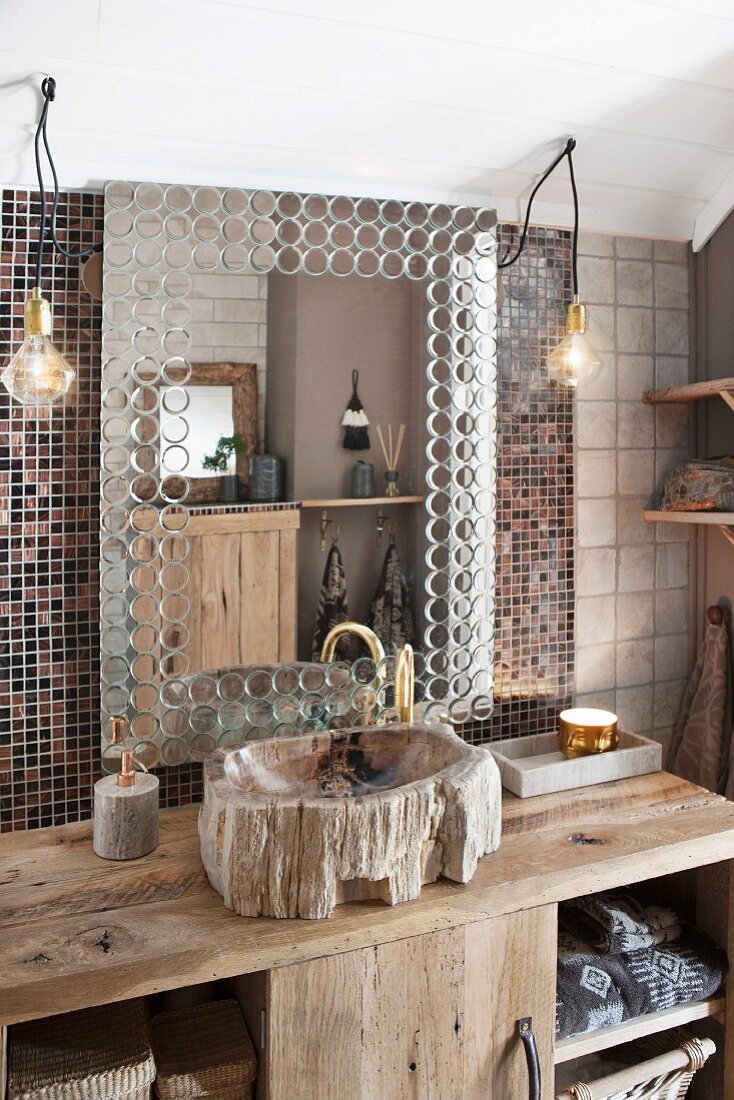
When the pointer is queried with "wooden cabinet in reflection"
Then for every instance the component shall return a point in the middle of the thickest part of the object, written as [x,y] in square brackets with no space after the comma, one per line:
[242,588]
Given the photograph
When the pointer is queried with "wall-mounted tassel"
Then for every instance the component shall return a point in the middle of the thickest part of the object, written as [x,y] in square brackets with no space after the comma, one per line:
[355,422]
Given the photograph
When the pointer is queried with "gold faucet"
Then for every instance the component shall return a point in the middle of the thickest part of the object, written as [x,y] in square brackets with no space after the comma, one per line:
[405,682]
[370,639]
[404,662]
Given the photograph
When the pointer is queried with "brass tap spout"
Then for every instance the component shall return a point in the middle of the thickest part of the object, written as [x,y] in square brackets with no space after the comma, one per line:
[370,639]
[405,683]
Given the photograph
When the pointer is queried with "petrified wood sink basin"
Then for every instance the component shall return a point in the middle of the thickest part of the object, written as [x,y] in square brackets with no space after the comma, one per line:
[291,827]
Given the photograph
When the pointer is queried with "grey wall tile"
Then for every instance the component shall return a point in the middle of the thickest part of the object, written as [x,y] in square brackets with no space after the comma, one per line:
[671,286]
[597,474]
[636,568]
[672,251]
[671,332]
[635,662]
[635,615]
[634,283]
[671,565]
[635,425]
[635,330]
[595,244]
[596,424]
[596,280]
[634,708]
[596,571]
[635,471]
[633,248]
[597,523]
[635,374]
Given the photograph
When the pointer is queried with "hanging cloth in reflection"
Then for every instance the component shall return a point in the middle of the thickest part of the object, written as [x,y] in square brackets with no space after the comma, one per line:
[391,612]
[333,606]
[698,751]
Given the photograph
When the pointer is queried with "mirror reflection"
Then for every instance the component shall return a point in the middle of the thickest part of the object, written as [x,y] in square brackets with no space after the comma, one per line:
[270,429]
[298,432]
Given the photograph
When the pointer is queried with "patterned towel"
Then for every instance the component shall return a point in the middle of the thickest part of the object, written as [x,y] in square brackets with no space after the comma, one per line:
[333,607]
[391,614]
[616,923]
[596,990]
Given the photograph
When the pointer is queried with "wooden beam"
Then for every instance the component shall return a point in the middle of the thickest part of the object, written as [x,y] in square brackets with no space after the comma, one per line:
[716,211]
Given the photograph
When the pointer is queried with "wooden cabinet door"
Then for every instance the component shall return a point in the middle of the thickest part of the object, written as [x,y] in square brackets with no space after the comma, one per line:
[431,1017]
[242,589]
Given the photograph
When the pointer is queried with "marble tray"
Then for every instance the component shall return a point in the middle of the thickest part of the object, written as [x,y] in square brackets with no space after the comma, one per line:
[536,765]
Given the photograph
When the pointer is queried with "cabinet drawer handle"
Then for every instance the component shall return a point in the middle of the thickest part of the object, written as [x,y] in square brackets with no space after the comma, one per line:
[525,1031]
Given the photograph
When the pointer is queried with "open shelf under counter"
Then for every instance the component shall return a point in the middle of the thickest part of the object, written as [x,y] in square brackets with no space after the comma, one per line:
[361,502]
[594,1041]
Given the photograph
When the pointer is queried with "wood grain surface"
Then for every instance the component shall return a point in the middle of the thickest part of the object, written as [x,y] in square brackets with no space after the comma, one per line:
[77,931]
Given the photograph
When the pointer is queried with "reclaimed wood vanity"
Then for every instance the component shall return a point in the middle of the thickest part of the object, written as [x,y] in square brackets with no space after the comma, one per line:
[375,1003]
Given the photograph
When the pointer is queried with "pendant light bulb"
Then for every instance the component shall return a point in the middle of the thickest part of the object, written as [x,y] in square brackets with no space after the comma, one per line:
[37,374]
[574,362]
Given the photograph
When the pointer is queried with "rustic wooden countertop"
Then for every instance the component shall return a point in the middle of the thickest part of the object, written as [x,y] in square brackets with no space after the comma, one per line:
[76,930]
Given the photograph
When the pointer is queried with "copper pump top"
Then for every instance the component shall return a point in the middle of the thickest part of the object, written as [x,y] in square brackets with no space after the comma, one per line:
[126,774]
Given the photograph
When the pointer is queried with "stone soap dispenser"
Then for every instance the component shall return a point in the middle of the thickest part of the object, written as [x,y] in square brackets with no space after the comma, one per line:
[126,812]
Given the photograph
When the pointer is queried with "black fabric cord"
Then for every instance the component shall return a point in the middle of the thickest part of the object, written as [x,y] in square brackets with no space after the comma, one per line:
[508,260]
[48,90]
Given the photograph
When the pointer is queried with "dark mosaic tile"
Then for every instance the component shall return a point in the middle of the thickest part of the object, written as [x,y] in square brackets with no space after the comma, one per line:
[534,650]
[49,508]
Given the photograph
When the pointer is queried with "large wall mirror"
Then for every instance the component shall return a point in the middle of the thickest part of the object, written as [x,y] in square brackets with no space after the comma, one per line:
[245,316]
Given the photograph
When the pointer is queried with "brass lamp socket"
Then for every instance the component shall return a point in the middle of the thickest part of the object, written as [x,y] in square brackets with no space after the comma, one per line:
[575,317]
[583,731]
[37,318]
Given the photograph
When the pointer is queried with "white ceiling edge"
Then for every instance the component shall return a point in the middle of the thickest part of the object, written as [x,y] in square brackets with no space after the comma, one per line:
[625,223]
[714,213]
[619,223]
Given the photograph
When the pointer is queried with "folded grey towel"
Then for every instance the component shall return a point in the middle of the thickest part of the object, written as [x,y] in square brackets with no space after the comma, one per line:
[596,990]
[616,923]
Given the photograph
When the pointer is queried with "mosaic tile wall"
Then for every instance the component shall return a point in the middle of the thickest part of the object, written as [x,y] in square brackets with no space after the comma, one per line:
[534,628]
[49,474]
[49,549]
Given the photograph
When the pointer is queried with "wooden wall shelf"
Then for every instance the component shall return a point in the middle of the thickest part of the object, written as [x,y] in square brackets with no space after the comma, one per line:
[708,519]
[723,520]
[359,502]
[694,391]
[579,1045]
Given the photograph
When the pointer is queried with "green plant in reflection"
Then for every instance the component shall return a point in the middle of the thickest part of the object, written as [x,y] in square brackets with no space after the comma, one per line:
[227,446]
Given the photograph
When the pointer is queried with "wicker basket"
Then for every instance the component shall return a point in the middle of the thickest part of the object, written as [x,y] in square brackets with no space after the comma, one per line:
[203,1051]
[96,1054]
[666,1077]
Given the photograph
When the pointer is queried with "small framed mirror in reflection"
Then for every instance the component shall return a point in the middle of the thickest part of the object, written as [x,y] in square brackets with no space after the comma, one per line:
[219,401]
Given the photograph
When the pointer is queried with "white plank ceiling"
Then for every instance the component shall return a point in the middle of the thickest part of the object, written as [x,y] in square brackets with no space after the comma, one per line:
[464,100]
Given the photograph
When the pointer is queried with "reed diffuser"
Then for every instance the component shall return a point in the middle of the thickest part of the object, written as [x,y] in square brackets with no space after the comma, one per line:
[392,455]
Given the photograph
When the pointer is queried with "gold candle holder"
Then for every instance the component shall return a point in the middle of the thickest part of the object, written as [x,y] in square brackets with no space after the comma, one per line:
[583,731]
